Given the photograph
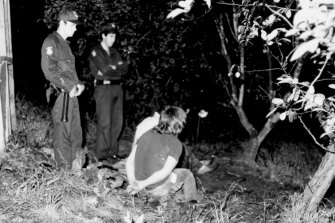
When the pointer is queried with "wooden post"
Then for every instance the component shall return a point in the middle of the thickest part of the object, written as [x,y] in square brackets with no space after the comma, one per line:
[7,98]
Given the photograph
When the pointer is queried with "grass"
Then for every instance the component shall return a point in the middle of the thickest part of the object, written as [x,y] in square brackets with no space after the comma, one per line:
[292,212]
[289,163]
[32,190]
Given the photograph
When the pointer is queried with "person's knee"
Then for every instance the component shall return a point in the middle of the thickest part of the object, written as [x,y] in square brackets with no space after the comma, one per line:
[183,172]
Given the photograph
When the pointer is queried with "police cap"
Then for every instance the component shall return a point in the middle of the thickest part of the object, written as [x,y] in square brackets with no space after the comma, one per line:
[69,15]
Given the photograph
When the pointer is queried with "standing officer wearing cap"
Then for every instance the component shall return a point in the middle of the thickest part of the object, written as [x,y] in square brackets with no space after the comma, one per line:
[58,65]
[107,67]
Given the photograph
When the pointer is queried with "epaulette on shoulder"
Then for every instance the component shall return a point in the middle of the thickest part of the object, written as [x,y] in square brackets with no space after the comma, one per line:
[52,37]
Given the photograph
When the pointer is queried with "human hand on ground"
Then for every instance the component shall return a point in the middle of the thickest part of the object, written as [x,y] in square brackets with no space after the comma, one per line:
[134,187]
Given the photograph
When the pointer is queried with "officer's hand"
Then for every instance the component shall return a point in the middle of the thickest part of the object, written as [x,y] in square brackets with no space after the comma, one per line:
[73,92]
[81,88]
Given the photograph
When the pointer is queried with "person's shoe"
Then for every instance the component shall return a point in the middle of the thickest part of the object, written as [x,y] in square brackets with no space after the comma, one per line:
[204,169]
[207,166]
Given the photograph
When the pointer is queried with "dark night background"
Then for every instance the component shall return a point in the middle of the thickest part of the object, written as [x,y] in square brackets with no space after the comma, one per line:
[28,33]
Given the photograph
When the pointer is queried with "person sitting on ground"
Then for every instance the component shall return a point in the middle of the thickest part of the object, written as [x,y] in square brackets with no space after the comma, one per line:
[188,159]
[151,165]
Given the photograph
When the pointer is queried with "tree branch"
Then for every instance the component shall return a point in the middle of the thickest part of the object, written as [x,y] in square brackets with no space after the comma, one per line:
[235,4]
[323,67]
[280,15]
[313,137]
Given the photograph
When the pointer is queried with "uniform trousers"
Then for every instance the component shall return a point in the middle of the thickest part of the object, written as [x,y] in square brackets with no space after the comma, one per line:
[109,112]
[67,136]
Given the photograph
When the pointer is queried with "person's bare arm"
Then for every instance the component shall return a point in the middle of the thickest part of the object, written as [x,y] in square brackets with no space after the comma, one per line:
[130,164]
[161,174]
[156,177]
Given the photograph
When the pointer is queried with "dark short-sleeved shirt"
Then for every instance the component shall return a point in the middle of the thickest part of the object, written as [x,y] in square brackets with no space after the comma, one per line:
[110,65]
[58,62]
[152,152]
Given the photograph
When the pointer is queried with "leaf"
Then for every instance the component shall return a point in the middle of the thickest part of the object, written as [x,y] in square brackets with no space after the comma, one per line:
[309,46]
[263,35]
[283,116]
[291,115]
[291,32]
[331,86]
[305,83]
[272,35]
[241,29]
[175,13]
[288,13]
[319,109]
[269,43]
[318,100]
[208,3]
[269,21]
[186,5]
[286,79]
[278,101]
[306,34]
[324,134]
[301,17]
[290,98]
[285,40]
[311,90]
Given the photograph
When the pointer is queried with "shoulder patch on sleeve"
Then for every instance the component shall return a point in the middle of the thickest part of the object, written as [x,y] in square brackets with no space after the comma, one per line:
[49,50]
[94,53]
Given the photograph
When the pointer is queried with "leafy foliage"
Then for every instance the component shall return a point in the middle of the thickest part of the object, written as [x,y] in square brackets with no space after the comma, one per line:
[313,26]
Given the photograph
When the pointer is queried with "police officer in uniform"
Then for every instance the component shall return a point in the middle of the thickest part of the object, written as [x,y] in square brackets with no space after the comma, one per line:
[107,67]
[58,65]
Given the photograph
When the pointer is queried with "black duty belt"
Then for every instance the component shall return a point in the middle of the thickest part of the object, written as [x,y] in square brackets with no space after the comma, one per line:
[108,82]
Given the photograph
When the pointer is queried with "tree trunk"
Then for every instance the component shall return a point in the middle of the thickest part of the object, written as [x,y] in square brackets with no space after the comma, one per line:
[7,96]
[251,149]
[237,94]
[319,184]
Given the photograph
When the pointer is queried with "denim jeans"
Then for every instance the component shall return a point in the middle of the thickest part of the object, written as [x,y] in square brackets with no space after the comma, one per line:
[180,184]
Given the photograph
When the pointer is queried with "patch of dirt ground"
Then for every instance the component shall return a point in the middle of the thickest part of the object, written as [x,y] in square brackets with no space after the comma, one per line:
[261,199]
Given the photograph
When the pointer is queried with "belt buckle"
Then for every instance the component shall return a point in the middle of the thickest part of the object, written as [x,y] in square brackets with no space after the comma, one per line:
[106,82]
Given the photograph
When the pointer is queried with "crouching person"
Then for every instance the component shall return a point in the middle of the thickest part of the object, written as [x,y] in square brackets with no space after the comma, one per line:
[151,165]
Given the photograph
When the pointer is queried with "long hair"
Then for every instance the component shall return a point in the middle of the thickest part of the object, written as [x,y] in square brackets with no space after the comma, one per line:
[172,120]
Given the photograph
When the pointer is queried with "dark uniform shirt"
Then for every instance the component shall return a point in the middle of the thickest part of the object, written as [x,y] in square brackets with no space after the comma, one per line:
[111,66]
[58,62]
